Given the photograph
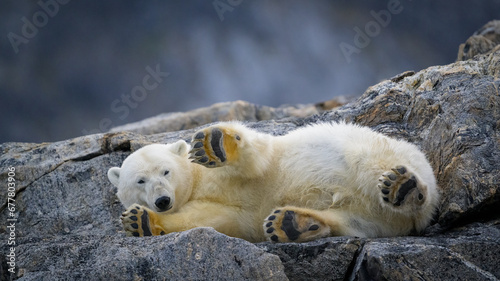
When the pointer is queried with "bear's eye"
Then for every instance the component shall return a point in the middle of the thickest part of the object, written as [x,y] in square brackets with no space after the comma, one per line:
[141,182]
[166,172]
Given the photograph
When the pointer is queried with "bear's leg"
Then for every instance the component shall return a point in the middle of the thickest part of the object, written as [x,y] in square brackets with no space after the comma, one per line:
[293,224]
[215,146]
[140,221]
[400,188]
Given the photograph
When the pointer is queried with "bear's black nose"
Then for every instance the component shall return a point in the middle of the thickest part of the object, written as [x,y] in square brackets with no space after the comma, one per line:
[163,203]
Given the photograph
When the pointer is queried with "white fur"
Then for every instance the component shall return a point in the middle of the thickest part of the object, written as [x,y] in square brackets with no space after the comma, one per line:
[331,167]
[149,164]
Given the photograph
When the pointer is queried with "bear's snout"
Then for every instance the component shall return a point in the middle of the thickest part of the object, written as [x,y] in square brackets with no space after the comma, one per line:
[163,203]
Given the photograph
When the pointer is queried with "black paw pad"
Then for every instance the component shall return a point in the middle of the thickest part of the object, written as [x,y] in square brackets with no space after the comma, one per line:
[199,136]
[314,227]
[392,177]
[401,170]
[288,226]
[405,189]
[217,144]
[145,224]
[198,145]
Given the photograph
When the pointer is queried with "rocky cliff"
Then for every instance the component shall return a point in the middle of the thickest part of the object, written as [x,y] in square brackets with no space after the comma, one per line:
[62,221]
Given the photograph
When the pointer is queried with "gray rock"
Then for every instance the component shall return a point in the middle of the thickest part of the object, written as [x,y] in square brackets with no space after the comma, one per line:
[486,39]
[226,111]
[197,254]
[467,254]
[324,259]
[66,212]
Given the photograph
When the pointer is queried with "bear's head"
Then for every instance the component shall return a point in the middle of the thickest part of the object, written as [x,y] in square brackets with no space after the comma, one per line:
[156,176]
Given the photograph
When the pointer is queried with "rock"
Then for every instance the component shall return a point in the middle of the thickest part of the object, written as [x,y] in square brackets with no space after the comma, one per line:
[467,254]
[197,254]
[481,42]
[324,259]
[66,212]
[226,111]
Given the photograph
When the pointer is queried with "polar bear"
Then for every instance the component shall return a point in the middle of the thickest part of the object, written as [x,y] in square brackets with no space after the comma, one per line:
[328,179]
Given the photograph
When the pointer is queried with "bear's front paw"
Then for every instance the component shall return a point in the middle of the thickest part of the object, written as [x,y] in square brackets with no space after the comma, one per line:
[399,186]
[214,146]
[136,221]
[286,225]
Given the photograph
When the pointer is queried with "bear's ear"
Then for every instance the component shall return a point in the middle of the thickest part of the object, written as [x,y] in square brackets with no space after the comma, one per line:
[114,175]
[180,148]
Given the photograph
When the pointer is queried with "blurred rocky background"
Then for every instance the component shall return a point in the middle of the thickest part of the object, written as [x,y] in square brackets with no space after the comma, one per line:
[69,68]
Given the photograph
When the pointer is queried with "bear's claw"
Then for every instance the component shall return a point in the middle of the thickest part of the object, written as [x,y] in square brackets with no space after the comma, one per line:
[398,185]
[285,225]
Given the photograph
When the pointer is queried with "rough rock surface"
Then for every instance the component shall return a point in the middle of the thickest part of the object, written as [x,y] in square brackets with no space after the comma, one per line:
[482,41]
[226,111]
[66,212]
[196,254]
[468,253]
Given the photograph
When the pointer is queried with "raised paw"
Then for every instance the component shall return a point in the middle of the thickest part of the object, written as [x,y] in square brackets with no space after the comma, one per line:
[285,225]
[400,187]
[214,146]
[139,221]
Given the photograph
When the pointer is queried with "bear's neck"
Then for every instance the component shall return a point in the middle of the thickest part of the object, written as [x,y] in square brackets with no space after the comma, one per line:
[197,174]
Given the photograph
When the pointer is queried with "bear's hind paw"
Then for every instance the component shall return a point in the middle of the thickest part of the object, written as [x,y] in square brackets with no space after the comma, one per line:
[285,225]
[399,186]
